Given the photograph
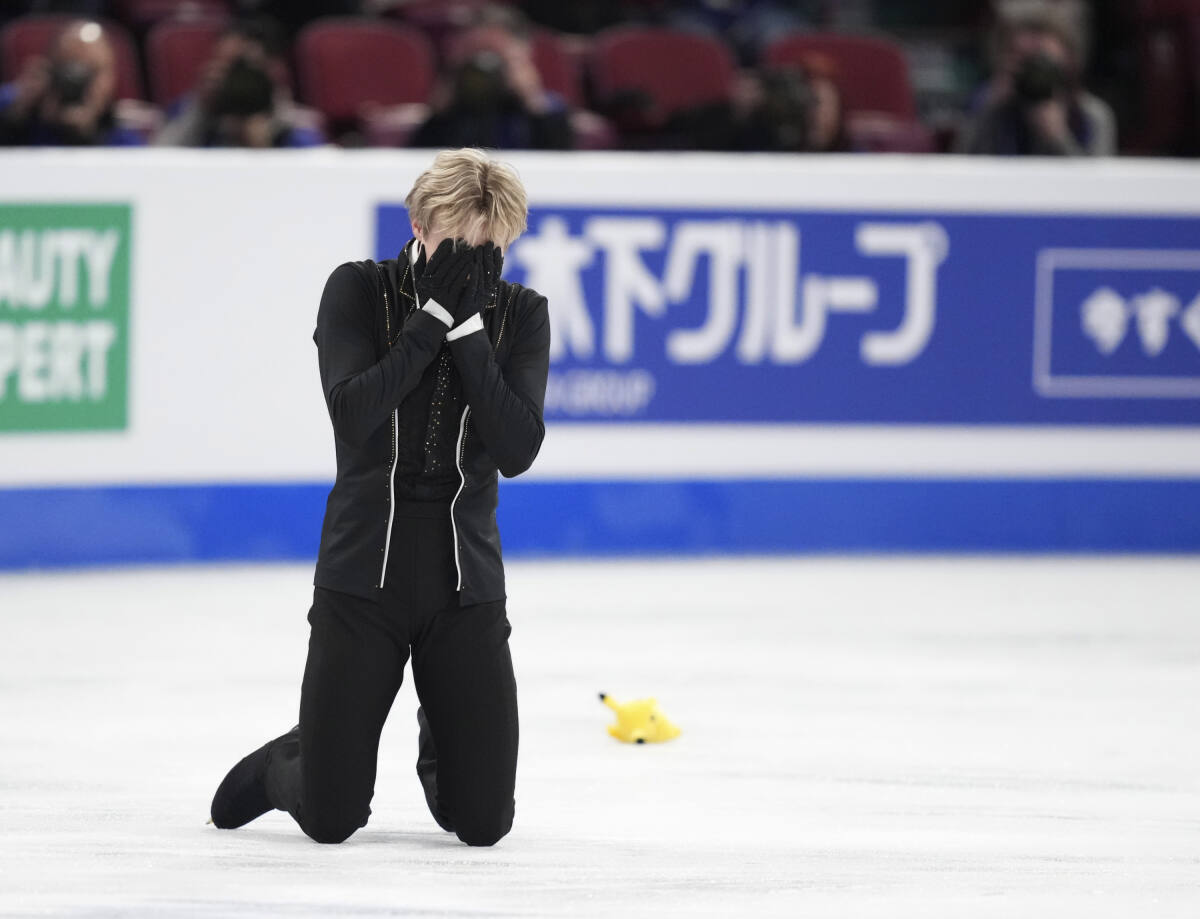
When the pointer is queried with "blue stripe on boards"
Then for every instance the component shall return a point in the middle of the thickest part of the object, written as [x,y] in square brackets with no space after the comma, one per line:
[140,524]
[852,516]
[56,527]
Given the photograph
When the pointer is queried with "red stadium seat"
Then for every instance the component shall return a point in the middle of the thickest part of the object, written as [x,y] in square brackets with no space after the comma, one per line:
[344,64]
[560,71]
[176,53]
[438,20]
[143,13]
[31,36]
[872,72]
[675,70]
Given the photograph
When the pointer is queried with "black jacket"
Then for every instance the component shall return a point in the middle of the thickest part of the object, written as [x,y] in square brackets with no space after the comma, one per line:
[370,358]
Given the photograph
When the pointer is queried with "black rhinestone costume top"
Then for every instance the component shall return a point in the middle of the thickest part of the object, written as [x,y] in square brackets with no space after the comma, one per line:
[425,461]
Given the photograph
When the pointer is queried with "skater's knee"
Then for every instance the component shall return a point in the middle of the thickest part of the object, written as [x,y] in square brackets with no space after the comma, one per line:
[484,830]
[333,828]
[330,833]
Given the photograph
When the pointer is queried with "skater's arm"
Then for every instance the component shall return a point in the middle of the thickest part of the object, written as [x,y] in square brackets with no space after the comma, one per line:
[361,391]
[506,405]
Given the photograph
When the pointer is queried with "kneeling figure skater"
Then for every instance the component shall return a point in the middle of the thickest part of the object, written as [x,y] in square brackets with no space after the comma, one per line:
[434,374]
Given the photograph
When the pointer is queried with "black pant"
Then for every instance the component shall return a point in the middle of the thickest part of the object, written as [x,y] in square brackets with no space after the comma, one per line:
[325,776]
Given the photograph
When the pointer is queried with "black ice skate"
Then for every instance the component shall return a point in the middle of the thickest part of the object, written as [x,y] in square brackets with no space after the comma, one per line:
[242,795]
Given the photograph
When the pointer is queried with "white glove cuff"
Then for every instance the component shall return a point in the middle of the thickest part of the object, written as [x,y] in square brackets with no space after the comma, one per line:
[435,309]
[474,324]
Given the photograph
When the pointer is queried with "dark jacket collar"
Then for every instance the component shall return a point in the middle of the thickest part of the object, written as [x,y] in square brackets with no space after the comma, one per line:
[405,257]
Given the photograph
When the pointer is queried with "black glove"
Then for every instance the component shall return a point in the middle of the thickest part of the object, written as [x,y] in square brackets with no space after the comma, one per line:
[493,264]
[485,278]
[448,276]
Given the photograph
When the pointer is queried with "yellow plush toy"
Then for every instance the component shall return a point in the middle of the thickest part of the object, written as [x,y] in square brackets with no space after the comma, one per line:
[640,721]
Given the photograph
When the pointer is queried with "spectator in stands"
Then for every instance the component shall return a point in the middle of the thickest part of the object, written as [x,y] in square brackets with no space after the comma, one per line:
[1036,103]
[242,99]
[826,111]
[67,98]
[492,96]
[793,110]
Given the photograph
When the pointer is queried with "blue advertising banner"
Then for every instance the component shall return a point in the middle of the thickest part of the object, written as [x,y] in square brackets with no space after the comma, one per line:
[751,354]
[769,316]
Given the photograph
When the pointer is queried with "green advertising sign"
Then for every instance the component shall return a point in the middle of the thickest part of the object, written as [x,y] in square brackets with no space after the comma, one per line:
[64,317]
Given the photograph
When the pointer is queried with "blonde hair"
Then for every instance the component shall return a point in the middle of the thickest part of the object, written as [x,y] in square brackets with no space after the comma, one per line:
[464,193]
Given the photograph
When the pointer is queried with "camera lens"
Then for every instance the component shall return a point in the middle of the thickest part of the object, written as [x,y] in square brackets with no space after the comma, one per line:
[246,89]
[70,81]
[1038,79]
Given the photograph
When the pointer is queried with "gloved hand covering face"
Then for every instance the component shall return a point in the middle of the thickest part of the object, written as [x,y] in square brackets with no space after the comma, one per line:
[447,277]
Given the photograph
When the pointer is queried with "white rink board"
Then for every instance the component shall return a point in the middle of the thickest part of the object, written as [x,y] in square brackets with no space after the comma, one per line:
[233,248]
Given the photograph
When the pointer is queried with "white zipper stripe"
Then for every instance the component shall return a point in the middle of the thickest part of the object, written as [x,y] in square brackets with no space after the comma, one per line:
[387,539]
[458,458]
[462,431]
[387,542]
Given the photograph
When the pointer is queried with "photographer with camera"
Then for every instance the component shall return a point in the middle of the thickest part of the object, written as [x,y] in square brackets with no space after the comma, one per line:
[1036,104]
[492,96]
[798,110]
[242,99]
[67,99]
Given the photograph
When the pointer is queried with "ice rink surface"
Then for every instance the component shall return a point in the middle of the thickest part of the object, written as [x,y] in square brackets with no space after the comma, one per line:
[861,737]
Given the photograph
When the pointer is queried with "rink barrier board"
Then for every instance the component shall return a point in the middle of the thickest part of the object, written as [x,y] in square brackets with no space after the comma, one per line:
[96,526]
[763,354]
[703,291]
